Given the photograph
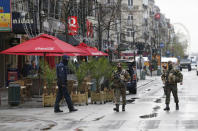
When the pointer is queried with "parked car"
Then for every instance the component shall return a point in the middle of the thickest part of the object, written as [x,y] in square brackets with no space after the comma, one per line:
[132,85]
[197,71]
[185,64]
[194,65]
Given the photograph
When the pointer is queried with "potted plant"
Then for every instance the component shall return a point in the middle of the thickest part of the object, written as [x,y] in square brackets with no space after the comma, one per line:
[48,74]
[99,70]
[109,92]
[80,96]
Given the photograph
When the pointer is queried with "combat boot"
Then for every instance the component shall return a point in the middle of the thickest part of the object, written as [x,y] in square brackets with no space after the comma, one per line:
[177,106]
[167,107]
[123,107]
[73,109]
[57,111]
[116,108]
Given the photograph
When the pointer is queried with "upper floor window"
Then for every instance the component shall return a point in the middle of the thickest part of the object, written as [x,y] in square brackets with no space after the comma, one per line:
[130,2]
[108,1]
[129,32]
[130,19]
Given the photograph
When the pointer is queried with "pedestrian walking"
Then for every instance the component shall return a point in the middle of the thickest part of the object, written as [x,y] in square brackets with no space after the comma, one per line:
[120,77]
[171,78]
[61,70]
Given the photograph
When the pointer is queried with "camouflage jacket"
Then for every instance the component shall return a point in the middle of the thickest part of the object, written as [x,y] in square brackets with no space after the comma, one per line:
[172,76]
[120,77]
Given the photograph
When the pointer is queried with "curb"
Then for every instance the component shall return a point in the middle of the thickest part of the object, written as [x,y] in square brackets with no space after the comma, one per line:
[145,84]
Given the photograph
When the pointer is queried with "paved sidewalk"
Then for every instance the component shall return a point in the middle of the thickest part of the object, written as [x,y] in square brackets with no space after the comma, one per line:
[37,102]
[148,79]
[94,117]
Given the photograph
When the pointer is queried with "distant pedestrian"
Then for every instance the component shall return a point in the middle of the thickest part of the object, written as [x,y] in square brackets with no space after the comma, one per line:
[26,69]
[131,70]
[33,68]
[61,70]
[120,76]
[172,77]
[150,68]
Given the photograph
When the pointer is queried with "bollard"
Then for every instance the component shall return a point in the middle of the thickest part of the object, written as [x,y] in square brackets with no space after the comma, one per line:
[143,75]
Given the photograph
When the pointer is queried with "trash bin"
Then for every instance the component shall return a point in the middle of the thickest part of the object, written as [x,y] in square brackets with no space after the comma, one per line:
[14,94]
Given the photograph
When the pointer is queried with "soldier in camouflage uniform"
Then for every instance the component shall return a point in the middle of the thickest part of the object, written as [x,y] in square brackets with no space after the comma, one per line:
[171,77]
[120,76]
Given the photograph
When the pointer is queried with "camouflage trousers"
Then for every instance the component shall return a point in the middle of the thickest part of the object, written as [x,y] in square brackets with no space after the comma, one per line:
[120,92]
[168,89]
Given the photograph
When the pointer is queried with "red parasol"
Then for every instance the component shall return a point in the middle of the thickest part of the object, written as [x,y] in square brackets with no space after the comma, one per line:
[90,51]
[43,45]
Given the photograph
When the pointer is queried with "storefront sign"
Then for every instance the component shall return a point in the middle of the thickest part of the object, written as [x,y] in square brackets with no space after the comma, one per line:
[72,25]
[22,25]
[5,16]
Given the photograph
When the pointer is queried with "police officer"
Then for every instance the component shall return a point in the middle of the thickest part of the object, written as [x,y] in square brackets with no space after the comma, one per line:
[61,71]
[120,76]
[172,77]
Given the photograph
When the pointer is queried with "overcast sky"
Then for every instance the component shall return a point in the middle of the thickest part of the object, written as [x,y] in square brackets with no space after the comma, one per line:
[184,12]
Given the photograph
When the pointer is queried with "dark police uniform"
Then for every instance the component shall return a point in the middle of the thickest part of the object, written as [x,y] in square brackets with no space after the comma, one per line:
[61,71]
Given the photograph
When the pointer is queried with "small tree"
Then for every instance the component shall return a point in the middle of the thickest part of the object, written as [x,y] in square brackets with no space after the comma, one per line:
[99,69]
[47,73]
[80,71]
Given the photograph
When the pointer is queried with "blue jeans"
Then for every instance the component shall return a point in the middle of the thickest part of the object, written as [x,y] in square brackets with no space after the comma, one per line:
[62,91]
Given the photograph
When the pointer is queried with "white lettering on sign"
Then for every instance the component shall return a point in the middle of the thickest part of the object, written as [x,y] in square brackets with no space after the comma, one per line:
[72,22]
[23,21]
[47,48]
[98,53]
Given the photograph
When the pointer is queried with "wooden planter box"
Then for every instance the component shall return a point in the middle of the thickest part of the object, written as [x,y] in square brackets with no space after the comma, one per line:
[79,98]
[49,100]
[98,97]
[49,96]
[109,93]
[70,85]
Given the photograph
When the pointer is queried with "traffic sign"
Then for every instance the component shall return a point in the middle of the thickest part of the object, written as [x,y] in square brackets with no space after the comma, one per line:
[161,45]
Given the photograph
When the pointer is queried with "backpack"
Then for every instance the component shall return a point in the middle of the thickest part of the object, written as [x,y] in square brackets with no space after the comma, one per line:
[179,76]
[175,76]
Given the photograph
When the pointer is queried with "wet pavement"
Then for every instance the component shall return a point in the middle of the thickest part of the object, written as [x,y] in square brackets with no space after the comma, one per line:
[144,112]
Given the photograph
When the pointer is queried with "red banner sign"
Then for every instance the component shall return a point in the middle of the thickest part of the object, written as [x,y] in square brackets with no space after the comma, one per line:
[157,16]
[72,25]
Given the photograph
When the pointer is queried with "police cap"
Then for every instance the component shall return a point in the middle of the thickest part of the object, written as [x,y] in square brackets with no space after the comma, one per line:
[65,57]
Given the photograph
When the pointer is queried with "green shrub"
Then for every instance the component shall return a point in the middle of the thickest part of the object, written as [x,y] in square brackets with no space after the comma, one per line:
[98,69]
[47,73]
[80,72]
